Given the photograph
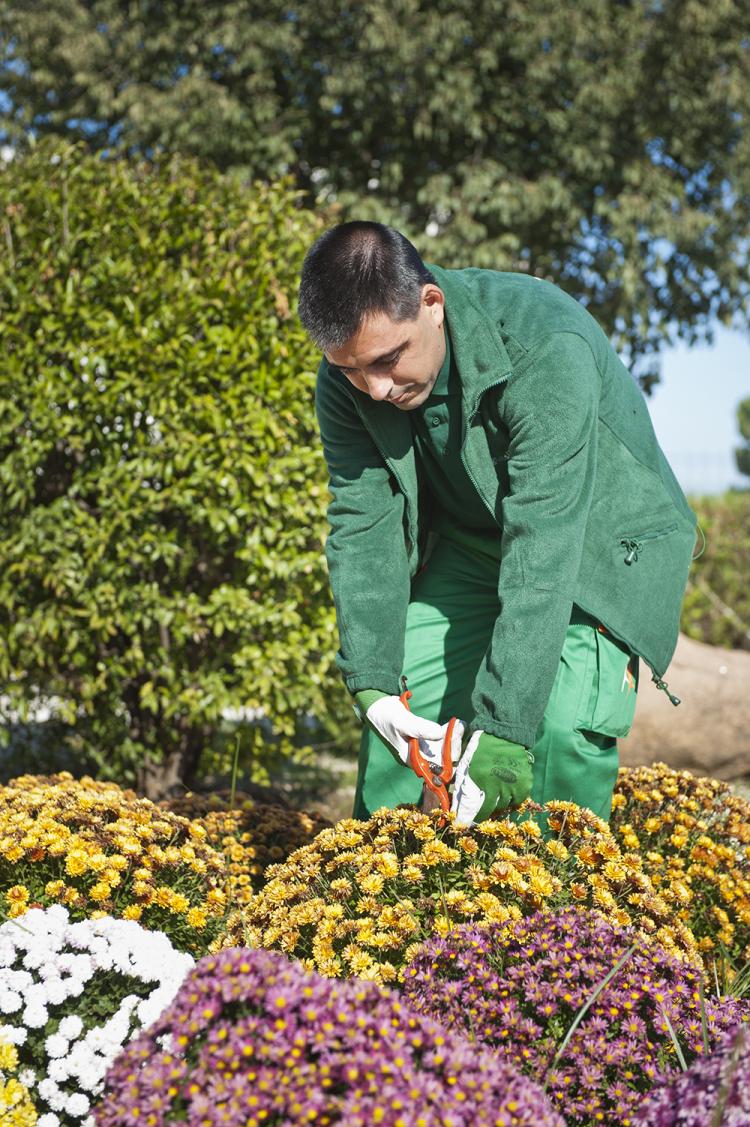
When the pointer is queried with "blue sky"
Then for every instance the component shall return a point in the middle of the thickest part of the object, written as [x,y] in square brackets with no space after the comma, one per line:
[694,410]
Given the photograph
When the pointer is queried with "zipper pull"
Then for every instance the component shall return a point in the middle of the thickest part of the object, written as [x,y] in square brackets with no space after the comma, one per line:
[664,687]
[633,548]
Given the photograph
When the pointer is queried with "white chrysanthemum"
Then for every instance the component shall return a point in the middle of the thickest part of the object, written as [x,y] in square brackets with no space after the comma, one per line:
[56,991]
[36,955]
[61,961]
[77,1104]
[15,1034]
[27,1077]
[35,1017]
[20,980]
[150,1008]
[56,1045]
[71,1027]
[35,994]
[58,1071]
[10,1001]
[7,951]
[48,969]
[82,966]
[52,1094]
[75,987]
[57,917]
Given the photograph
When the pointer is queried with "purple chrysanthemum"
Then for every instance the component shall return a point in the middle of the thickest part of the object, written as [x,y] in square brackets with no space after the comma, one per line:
[518,988]
[715,1090]
[252,1040]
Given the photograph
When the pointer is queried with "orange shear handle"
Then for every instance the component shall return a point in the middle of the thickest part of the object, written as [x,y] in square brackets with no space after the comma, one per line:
[436,782]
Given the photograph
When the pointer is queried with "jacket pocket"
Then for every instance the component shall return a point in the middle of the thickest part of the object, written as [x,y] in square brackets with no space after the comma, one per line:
[609,707]
[634,546]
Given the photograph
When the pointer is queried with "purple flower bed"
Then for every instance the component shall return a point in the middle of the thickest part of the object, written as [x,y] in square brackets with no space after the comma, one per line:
[518,989]
[253,1040]
[715,1090]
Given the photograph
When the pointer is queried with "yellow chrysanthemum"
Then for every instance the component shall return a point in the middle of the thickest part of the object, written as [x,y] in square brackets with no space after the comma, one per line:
[694,835]
[8,1056]
[81,839]
[18,894]
[197,918]
[330,902]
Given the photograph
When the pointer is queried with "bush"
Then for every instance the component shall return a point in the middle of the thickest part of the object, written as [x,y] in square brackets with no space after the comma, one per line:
[694,837]
[362,897]
[716,609]
[73,995]
[714,1091]
[162,493]
[520,989]
[252,1039]
[101,851]
[250,835]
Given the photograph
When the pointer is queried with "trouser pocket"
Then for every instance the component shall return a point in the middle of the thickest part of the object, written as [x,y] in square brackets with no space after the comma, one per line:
[608,707]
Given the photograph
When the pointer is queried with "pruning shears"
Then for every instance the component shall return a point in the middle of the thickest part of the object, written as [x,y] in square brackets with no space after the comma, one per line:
[435,783]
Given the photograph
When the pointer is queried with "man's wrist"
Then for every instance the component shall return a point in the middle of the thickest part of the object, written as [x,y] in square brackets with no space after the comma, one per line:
[364,699]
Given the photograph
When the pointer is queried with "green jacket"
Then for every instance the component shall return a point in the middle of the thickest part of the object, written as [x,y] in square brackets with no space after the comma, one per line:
[558,441]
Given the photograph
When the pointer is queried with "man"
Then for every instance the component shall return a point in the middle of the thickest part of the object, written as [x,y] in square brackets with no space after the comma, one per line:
[505,530]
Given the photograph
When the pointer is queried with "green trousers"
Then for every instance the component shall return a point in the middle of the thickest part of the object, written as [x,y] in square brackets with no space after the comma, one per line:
[449,624]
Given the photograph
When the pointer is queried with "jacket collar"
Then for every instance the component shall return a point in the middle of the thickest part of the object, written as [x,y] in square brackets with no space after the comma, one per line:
[478,349]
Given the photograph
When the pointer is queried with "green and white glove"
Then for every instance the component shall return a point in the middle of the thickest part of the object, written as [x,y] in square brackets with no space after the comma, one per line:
[492,774]
[396,725]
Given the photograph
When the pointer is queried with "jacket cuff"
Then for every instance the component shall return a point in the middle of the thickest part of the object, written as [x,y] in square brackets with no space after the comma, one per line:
[387,683]
[516,734]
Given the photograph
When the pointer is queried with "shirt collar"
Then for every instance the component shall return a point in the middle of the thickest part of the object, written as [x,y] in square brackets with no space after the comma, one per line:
[440,387]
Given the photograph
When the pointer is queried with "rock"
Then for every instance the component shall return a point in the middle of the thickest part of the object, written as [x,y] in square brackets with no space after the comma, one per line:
[709,732]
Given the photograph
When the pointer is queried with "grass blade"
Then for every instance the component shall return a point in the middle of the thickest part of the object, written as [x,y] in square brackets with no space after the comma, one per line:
[675,1042]
[704,1018]
[235,768]
[589,1003]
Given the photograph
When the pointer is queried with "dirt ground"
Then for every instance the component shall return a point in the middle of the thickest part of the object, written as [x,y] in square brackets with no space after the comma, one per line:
[709,732]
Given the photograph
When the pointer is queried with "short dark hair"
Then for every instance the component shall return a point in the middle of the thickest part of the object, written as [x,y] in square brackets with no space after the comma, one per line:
[354,270]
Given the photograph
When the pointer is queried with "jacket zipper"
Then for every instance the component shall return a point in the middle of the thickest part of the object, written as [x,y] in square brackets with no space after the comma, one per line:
[633,545]
[469,422]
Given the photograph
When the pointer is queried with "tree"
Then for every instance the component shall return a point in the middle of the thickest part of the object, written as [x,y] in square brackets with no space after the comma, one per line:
[603,144]
[742,453]
[162,492]
[716,609]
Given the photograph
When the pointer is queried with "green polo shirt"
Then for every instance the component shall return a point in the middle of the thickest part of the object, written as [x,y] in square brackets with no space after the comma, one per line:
[436,426]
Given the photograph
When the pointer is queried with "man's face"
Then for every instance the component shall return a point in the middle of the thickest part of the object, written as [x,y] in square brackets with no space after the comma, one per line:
[397,361]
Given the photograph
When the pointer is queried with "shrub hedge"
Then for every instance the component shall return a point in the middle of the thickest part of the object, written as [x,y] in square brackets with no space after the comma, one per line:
[162,491]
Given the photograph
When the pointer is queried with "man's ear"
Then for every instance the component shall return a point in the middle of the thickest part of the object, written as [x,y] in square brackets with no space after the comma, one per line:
[433,299]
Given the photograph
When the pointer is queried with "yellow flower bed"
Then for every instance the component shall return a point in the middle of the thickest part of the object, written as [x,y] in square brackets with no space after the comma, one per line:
[101,850]
[694,836]
[250,835]
[16,1107]
[361,898]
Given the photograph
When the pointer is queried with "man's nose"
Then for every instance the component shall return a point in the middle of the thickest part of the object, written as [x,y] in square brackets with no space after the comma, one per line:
[378,387]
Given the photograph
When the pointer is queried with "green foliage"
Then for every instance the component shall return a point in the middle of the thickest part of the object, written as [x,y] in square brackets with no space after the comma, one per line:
[742,453]
[717,604]
[601,144]
[162,491]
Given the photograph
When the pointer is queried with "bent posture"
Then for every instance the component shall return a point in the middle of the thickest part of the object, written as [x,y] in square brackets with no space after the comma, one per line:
[505,530]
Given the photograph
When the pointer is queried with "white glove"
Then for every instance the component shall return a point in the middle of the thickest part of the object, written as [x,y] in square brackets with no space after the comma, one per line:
[395,724]
[467,796]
